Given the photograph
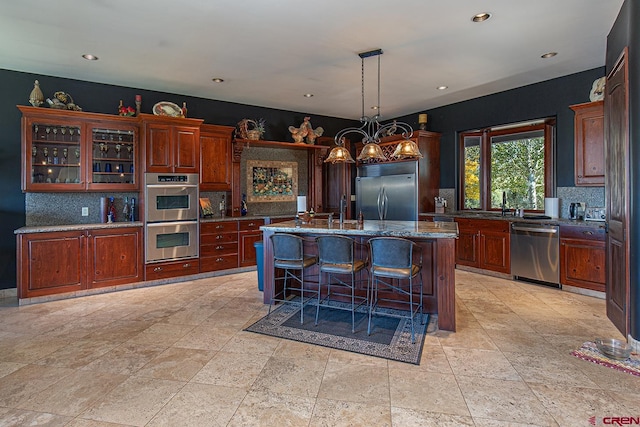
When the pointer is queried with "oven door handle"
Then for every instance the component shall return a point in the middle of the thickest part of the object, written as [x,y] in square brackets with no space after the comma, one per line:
[170,223]
[175,187]
[535,229]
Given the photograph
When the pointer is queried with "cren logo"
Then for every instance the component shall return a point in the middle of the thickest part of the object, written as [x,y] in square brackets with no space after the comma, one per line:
[592,421]
[621,421]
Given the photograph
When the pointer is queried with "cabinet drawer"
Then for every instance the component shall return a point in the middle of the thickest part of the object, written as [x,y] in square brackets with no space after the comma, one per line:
[165,270]
[221,262]
[214,239]
[218,227]
[248,225]
[219,249]
[583,233]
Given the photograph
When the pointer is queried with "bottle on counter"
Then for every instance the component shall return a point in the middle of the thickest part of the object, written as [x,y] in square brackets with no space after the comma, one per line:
[132,210]
[125,209]
[222,207]
[112,210]
[243,206]
[360,218]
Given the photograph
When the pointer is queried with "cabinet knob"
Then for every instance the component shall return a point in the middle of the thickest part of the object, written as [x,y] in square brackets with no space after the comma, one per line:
[589,233]
[219,226]
[219,247]
[251,224]
[187,265]
[219,236]
[157,269]
[219,259]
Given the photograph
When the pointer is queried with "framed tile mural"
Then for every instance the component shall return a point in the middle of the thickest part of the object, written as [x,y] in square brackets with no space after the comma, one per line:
[269,181]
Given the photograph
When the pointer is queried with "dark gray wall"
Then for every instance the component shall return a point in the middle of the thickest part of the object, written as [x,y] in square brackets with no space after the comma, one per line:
[550,98]
[101,98]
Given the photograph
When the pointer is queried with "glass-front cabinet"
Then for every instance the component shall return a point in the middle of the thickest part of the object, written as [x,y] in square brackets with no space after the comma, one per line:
[77,151]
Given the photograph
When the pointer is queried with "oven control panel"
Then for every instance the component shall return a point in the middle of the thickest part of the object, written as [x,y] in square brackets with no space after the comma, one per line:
[595,214]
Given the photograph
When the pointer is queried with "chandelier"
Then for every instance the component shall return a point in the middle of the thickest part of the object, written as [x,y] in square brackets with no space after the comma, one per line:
[371,131]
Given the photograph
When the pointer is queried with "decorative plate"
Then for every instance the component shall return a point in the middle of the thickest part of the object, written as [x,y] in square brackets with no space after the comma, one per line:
[166,108]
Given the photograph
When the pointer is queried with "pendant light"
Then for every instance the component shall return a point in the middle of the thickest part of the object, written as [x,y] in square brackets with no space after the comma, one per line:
[371,131]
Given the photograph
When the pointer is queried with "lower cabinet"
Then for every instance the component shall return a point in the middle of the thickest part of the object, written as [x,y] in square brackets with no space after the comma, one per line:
[166,270]
[68,261]
[249,234]
[582,257]
[484,244]
[218,245]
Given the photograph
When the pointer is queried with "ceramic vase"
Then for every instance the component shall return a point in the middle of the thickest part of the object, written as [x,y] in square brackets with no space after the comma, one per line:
[36,98]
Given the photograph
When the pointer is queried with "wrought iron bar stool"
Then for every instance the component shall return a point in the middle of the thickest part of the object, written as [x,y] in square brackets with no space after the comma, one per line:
[288,254]
[393,268]
[336,257]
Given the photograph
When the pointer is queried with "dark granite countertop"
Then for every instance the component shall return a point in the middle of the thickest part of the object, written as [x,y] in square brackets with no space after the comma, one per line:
[530,218]
[76,227]
[416,229]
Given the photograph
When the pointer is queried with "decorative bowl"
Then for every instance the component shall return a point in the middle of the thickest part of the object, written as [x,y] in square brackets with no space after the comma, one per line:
[614,349]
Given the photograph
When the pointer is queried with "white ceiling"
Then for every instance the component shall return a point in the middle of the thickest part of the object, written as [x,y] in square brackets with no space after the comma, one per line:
[270,53]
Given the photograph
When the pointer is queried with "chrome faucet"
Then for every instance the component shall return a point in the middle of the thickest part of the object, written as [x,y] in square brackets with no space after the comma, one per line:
[343,207]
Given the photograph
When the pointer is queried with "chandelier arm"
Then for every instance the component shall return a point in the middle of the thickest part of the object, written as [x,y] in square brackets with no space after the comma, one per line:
[407,130]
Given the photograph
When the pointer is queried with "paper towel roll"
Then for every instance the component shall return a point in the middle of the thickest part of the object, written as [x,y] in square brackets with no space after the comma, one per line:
[551,207]
[302,203]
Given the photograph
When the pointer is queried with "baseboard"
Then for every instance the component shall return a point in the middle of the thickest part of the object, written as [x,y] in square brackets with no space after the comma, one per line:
[582,291]
[8,293]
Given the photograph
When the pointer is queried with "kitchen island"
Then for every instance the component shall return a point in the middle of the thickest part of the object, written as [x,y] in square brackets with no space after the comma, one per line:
[436,240]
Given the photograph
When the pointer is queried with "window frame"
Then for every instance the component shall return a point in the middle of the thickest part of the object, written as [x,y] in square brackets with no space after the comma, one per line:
[546,125]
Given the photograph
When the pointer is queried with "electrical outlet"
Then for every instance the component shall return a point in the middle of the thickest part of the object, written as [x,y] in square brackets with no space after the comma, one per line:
[85,211]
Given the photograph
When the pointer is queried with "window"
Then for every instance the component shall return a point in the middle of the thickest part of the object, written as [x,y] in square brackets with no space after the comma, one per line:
[515,161]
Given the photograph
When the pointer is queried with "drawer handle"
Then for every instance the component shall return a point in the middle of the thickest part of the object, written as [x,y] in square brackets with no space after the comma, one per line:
[588,232]
[219,247]
[219,236]
[251,224]
[187,265]
[219,259]
[157,269]
[219,226]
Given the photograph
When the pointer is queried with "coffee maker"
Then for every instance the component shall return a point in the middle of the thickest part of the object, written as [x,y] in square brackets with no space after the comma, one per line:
[576,210]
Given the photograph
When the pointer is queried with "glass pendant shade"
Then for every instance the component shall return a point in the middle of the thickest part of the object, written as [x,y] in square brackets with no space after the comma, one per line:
[339,154]
[371,151]
[407,149]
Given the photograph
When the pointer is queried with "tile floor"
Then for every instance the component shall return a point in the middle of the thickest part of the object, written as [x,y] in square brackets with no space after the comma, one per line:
[176,355]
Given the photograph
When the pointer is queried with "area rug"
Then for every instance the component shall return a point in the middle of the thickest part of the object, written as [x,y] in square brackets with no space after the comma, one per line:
[390,337]
[589,352]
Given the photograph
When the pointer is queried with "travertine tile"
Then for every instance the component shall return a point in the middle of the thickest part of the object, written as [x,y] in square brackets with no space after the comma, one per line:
[552,368]
[206,337]
[125,359]
[412,417]
[480,363]
[161,334]
[355,383]
[285,375]
[337,413]
[27,381]
[252,343]
[78,353]
[232,369]
[20,417]
[8,367]
[426,391]
[466,338]
[179,364]
[200,405]
[503,400]
[270,409]
[295,349]
[433,359]
[134,402]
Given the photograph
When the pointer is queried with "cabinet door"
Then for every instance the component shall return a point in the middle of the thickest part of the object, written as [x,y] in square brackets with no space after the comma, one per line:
[51,263]
[166,270]
[467,247]
[158,148]
[248,235]
[582,264]
[495,251]
[186,140]
[215,158]
[589,143]
[52,153]
[113,151]
[115,257]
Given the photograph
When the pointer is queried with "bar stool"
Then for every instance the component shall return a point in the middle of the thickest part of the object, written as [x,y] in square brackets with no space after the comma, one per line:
[336,257]
[288,254]
[392,259]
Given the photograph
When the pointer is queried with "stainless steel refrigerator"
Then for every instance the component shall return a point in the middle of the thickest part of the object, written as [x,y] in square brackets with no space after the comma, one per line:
[388,191]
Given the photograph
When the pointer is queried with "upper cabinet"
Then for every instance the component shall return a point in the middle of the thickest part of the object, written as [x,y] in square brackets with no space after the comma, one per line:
[215,157]
[77,151]
[589,143]
[171,145]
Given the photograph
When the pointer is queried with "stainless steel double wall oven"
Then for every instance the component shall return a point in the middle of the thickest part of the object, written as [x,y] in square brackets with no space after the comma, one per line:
[171,216]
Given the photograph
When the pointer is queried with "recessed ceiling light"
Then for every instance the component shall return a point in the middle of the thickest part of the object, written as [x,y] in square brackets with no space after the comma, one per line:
[442,87]
[90,57]
[481,17]
[549,55]
[308,95]
[375,107]
[217,80]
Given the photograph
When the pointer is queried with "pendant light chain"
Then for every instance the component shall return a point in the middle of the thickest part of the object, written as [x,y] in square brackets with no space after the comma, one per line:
[362,87]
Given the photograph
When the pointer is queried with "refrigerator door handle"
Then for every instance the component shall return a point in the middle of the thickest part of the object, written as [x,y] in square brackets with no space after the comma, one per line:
[382,204]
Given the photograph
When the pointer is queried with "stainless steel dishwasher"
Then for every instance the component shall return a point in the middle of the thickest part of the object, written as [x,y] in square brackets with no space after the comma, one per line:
[535,252]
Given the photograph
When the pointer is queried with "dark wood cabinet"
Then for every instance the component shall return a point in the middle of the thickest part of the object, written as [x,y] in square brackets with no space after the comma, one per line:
[589,143]
[484,244]
[218,245]
[215,157]
[582,257]
[249,233]
[115,257]
[64,151]
[171,145]
[68,261]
